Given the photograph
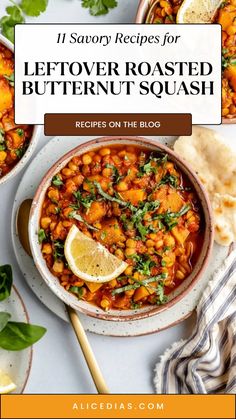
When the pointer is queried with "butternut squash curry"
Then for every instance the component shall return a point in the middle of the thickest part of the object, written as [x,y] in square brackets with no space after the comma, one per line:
[166,11]
[140,207]
[14,139]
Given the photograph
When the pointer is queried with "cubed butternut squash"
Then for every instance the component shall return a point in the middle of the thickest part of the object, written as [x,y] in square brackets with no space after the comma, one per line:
[180,233]
[173,202]
[96,212]
[93,286]
[6,99]
[226,18]
[134,196]
[230,74]
[110,232]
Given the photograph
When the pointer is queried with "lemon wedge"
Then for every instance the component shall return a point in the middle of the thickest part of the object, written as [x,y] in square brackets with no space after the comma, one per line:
[197,11]
[6,384]
[89,260]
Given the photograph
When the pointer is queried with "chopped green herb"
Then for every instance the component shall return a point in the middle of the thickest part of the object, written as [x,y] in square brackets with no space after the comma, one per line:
[170,219]
[151,164]
[173,181]
[103,235]
[5,281]
[77,290]
[116,174]
[78,217]
[134,306]
[57,181]
[143,264]
[41,235]
[85,200]
[20,132]
[10,79]
[58,247]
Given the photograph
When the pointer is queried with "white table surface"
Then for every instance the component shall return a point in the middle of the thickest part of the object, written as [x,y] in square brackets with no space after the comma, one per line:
[58,364]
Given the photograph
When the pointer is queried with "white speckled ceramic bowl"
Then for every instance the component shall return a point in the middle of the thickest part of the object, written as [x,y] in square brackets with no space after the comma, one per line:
[142,17]
[16,363]
[88,308]
[35,135]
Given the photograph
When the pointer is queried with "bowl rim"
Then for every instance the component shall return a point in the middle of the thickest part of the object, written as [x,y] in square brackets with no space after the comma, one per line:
[142,10]
[34,137]
[202,195]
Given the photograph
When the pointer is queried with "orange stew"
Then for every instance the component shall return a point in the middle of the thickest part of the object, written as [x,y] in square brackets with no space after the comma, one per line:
[157,232]
[14,139]
[166,11]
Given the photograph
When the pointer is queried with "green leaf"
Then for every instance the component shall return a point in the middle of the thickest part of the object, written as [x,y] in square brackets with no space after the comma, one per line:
[5,281]
[10,79]
[18,336]
[99,7]
[77,290]
[33,7]
[8,22]
[4,319]
[41,235]
[56,180]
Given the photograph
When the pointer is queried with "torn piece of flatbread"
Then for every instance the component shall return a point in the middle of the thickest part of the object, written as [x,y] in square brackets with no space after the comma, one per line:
[211,158]
[224,210]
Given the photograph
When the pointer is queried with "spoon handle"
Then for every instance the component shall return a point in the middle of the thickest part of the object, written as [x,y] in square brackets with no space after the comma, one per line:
[87,351]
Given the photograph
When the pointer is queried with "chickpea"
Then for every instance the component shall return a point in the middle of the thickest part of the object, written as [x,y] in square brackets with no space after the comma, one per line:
[3,156]
[131,243]
[159,244]
[129,270]
[79,283]
[72,166]
[179,275]
[105,152]
[105,303]
[58,266]
[107,172]
[98,225]
[113,283]
[119,254]
[52,209]
[129,251]
[54,195]
[151,250]
[45,222]
[122,186]
[67,172]
[169,241]
[47,249]
[53,225]
[168,261]
[153,236]
[67,224]
[86,159]
[78,180]
[97,158]
[150,243]
[130,293]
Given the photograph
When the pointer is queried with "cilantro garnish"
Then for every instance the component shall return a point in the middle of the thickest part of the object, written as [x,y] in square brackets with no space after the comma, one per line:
[99,7]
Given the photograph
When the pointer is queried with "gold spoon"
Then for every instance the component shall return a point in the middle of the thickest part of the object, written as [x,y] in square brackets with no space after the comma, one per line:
[22,220]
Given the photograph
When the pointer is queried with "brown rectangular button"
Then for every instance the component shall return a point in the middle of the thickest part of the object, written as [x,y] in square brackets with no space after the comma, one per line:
[117,124]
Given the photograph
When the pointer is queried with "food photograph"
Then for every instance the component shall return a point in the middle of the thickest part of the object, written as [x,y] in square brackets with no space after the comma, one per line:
[118,256]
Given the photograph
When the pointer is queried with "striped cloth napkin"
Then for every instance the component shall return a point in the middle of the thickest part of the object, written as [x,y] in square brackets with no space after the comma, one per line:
[206,362]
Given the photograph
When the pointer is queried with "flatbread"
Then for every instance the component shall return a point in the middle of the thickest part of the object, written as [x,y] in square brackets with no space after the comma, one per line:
[215,163]
[211,158]
[224,210]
